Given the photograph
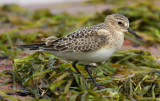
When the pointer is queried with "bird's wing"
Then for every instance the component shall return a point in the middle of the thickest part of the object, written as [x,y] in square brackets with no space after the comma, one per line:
[79,41]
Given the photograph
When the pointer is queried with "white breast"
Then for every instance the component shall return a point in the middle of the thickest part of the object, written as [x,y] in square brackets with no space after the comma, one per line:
[101,55]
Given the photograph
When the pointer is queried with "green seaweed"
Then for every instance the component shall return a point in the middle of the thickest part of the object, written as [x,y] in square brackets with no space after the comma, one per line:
[59,81]
[127,75]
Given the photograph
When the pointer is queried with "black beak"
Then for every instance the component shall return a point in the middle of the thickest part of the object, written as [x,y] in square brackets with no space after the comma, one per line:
[132,32]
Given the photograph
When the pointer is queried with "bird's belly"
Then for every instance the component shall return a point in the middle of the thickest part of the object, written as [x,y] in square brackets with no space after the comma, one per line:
[100,55]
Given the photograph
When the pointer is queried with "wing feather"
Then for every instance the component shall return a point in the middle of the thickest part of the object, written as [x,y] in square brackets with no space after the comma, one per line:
[79,41]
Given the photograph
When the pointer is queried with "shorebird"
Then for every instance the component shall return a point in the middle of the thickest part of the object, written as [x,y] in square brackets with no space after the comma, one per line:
[88,45]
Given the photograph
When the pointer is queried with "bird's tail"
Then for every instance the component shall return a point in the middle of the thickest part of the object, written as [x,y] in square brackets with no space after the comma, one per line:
[35,46]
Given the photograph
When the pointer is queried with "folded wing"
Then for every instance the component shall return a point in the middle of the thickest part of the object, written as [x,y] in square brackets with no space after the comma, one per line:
[79,41]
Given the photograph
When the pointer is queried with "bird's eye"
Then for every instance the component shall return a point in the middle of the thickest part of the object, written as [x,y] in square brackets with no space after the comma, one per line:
[120,23]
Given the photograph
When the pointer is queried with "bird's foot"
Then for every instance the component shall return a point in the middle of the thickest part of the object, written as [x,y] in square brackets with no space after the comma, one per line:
[90,66]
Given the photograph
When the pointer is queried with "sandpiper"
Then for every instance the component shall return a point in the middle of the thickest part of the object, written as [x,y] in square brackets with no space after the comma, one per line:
[88,45]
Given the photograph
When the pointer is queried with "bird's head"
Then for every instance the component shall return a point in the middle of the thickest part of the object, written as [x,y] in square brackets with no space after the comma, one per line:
[119,22]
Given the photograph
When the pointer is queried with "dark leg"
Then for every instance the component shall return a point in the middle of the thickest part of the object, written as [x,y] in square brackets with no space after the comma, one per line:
[91,66]
[74,66]
[86,68]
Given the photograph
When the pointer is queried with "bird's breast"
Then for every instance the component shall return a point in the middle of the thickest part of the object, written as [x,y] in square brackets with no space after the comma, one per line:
[115,40]
[100,55]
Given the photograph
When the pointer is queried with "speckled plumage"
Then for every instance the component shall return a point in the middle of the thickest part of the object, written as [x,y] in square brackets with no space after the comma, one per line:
[91,44]
[83,40]
[86,39]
